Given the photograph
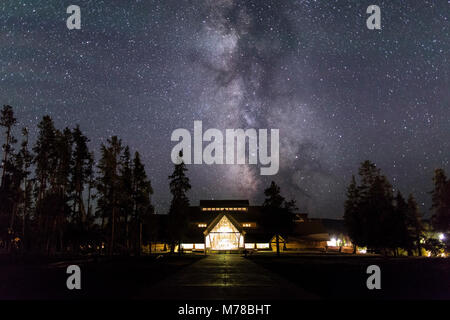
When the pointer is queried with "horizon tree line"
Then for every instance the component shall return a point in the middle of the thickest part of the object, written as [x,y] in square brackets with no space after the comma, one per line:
[50,209]
[48,192]
[384,221]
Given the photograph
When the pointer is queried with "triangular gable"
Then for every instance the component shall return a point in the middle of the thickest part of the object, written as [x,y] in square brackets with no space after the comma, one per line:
[233,221]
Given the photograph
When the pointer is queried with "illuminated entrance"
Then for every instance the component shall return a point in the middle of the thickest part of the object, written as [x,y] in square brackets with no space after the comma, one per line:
[224,236]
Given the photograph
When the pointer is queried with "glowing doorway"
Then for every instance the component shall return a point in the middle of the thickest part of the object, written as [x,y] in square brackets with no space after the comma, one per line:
[224,236]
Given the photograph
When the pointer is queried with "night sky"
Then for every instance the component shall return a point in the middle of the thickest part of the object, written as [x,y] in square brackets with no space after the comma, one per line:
[338,92]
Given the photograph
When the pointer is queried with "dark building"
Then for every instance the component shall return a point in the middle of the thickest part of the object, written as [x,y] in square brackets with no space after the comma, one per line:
[234,225]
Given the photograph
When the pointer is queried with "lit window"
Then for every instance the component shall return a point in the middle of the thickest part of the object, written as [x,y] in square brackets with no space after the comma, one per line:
[249,246]
[244,209]
[246,225]
[187,245]
[204,209]
[262,245]
[199,246]
[202,225]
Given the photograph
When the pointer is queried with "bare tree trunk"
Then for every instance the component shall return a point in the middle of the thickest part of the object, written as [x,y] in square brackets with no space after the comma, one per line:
[111,245]
[5,155]
[278,244]
[140,239]
[419,248]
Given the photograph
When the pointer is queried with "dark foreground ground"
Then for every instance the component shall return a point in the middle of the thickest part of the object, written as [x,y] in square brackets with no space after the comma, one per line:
[344,276]
[102,278]
[263,276]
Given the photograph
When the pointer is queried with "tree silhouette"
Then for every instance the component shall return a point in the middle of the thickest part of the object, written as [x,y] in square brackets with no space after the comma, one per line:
[142,206]
[414,224]
[179,185]
[352,215]
[8,121]
[277,213]
[108,186]
[441,202]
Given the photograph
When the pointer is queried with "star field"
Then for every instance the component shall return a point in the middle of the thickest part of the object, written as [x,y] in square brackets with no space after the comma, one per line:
[338,92]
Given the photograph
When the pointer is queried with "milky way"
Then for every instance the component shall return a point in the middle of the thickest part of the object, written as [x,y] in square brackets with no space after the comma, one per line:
[338,92]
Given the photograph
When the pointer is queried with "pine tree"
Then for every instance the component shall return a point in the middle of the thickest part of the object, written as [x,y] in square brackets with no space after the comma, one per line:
[370,211]
[108,186]
[414,224]
[8,121]
[46,164]
[90,174]
[45,151]
[277,213]
[22,164]
[81,169]
[396,230]
[142,207]
[179,185]
[352,215]
[441,202]
[8,189]
[126,195]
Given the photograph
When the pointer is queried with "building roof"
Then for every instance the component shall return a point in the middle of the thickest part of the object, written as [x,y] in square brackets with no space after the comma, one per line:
[224,203]
[257,236]
[334,226]
[219,217]
[310,230]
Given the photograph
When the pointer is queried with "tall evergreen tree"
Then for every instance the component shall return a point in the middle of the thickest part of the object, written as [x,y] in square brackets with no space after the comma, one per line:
[81,169]
[28,182]
[441,202]
[45,151]
[8,188]
[126,196]
[277,213]
[108,186]
[371,216]
[396,231]
[46,163]
[179,185]
[142,207]
[414,224]
[22,186]
[352,214]
[8,121]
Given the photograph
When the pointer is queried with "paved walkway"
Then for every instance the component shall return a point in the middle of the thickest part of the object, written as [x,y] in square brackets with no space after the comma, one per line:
[225,276]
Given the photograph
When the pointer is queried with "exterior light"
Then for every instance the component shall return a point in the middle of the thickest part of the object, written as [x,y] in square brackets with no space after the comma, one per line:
[332,242]
[441,236]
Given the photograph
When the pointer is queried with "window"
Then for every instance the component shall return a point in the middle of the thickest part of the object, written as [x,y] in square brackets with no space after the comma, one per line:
[187,245]
[202,225]
[262,245]
[199,246]
[249,246]
[224,236]
[246,225]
